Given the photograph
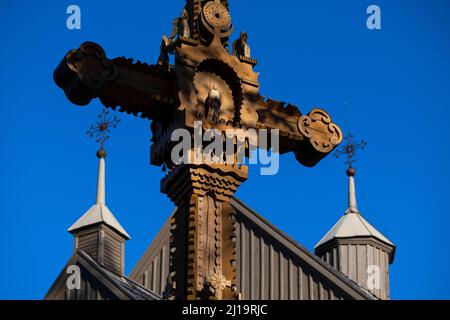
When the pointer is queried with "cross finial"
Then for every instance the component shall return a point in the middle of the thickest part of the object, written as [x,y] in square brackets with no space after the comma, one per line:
[350,150]
[101,129]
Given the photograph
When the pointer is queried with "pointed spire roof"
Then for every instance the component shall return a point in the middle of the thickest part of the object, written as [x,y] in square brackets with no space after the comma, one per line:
[352,224]
[99,212]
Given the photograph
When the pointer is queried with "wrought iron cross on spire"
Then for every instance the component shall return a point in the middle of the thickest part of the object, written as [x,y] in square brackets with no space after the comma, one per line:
[349,149]
[101,129]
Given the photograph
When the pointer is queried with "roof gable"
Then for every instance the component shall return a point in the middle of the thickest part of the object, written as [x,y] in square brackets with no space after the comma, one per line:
[94,275]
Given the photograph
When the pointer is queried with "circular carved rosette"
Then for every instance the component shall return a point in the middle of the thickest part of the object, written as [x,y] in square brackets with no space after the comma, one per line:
[323,134]
[216,17]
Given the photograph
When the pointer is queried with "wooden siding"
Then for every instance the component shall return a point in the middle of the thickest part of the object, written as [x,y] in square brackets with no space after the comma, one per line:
[268,270]
[104,245]
[88,242]
[353,257]
[114,252]
[153,268]
[270,266]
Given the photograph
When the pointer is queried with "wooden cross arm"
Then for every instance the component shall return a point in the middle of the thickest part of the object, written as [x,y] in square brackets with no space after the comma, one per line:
[146,90]
[311,137]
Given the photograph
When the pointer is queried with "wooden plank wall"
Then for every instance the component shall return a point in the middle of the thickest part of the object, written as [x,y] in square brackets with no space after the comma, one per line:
[153,268]
[267,270]
[270,271]
[353,260]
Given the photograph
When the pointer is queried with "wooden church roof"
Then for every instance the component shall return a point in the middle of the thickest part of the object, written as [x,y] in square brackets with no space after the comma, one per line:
[271,265]
[97,283]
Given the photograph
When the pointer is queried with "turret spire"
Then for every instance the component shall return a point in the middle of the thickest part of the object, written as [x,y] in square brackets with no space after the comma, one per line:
[100,213]
[351,191]
[101,130]
[97,232]
[352,238]
[101,181]
[349,150]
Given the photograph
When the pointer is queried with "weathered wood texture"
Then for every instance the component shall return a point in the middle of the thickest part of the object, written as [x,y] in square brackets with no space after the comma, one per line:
[103,245]
[202,247]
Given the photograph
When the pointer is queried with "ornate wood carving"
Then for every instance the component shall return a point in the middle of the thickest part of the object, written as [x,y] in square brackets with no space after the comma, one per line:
[207,83]
[206,246]
[323,135]
[216,16]
[317,126]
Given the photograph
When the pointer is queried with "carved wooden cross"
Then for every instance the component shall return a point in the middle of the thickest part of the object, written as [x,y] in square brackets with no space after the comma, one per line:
[175,96]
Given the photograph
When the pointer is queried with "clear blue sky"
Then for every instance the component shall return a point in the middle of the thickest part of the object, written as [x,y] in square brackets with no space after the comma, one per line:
[311,53]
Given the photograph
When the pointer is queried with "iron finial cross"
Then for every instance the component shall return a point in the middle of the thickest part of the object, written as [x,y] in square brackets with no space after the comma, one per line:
[101,129]
[349,148]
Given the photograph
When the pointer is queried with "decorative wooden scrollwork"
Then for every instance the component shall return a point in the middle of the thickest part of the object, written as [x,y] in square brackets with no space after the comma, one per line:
[83,72]
[91,64]
[323,134]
